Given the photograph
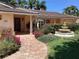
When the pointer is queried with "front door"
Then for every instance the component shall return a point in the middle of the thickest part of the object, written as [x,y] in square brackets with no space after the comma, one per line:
[17,24]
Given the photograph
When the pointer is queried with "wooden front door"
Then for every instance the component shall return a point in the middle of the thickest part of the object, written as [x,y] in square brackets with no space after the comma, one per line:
[17,24]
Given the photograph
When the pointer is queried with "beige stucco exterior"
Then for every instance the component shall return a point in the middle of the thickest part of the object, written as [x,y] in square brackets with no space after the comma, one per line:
[7,20]
[61,20]
[77,20]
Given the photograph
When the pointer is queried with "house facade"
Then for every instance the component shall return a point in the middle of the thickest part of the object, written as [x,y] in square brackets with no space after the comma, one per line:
[21,20]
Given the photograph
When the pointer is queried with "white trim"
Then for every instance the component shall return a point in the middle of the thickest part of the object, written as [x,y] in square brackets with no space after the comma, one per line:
[18,13]
[24,13]
[27,10]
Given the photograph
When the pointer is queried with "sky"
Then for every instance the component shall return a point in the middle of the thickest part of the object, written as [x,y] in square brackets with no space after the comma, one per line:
[59,5]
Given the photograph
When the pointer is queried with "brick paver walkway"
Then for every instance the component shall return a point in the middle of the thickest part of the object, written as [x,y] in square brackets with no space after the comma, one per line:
[31,48]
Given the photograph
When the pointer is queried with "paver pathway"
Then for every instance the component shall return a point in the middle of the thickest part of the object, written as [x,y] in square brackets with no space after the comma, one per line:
[31,48]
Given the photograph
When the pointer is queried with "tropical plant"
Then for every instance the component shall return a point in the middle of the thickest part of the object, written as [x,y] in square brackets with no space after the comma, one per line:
[31,3]
[22,3]
[36,4]
[71,10]
[11,2]
[5,1]
[42,5]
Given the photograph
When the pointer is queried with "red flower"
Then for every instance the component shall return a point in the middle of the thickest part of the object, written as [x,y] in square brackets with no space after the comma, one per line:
[17,40]
[37,33]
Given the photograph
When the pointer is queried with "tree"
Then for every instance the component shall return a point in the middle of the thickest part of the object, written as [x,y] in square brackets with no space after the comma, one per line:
[31,3]
[36,4]
[4,1]
[13,3]
[10,2]
[42,5]
[71,10]
[22,3]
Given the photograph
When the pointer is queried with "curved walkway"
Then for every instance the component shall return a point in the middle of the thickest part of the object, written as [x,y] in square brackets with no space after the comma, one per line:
[31,49]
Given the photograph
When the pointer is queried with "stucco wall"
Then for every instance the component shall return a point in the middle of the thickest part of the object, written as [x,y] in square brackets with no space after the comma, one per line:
[6,21]
[62,20]
[68,21]
[77,21]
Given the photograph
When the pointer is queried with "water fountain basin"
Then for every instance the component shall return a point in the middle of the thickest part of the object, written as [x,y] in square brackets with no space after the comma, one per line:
[64,34]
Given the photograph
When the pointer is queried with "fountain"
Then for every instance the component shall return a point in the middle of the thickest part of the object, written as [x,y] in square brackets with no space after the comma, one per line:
[64,32]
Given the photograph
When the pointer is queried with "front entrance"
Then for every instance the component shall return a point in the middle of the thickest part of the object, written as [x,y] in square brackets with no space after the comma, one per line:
[17,24]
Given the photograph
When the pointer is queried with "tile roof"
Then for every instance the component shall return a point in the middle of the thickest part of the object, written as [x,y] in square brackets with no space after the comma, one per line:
[56,15]
[7,8]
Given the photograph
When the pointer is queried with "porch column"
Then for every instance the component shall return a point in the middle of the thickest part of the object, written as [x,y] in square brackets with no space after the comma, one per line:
[31,25]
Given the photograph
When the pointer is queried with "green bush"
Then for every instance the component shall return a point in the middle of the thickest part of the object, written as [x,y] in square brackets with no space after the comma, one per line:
[8,43]
[47,38]
[64,48]
[37,33]
[50,28]
[56,27]
[47,29]
[74,27]
[7,47]
[70,50]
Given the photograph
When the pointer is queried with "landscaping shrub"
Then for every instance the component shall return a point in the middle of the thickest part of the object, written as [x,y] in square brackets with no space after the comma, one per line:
[47,29]
[50,28]
[37,33]
[70,50]
[57,27]
[47,38]
[64,48]
[8,44]
[74,27]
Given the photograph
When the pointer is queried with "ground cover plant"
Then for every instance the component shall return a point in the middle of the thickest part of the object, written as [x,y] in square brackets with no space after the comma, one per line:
[9,44]
[61,48]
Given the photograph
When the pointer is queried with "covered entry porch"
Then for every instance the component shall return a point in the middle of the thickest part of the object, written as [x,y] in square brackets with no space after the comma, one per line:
[23,23]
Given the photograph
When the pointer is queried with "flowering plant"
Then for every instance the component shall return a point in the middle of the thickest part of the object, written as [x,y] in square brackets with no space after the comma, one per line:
[37,33]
